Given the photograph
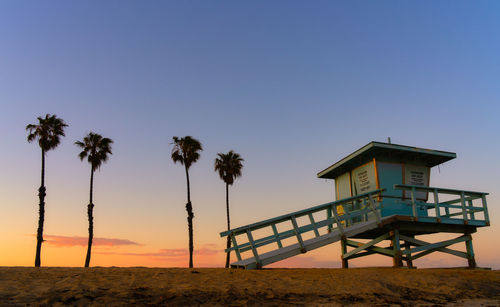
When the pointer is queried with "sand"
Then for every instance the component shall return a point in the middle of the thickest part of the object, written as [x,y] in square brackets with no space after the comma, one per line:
[23,286]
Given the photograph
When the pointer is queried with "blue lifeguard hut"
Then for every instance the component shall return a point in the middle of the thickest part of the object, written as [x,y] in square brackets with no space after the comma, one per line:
[382,166]
[383,193]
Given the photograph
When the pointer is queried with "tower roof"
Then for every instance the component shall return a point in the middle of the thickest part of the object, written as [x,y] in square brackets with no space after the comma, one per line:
[387,152]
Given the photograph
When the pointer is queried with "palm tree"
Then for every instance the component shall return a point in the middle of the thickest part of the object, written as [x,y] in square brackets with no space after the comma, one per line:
[48,131]
[96,149]
[229,166]
[186,151]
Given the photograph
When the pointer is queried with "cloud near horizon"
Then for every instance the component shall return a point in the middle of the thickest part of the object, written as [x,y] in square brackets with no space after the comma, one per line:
[67,241]
[171,253]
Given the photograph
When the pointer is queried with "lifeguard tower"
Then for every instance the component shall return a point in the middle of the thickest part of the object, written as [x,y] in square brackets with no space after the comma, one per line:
[382,194]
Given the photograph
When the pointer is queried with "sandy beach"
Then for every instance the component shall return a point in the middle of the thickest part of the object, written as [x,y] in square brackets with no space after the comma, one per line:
[25,286]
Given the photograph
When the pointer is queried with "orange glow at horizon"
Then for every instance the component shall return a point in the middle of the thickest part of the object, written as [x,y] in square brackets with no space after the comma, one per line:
[131,254]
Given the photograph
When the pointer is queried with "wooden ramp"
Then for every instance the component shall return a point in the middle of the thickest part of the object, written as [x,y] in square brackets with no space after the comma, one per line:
[308,245]
[359,214]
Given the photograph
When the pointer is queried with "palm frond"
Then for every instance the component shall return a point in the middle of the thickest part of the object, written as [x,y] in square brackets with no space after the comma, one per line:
[80,144]
[228,166]
[186,150]
[48,131]
[96,148]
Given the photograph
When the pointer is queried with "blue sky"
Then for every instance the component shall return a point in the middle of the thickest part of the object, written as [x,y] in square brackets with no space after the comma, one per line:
[293,86]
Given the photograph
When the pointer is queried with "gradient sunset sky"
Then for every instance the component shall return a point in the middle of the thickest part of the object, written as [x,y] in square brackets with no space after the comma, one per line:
[293,86]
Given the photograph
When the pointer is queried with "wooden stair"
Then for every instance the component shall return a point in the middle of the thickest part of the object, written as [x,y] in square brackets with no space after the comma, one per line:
[359,214]
[296,249]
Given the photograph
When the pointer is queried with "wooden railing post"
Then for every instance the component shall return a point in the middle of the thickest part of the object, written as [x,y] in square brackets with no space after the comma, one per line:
[254,249]
[337,221]
[436,205]
[464,210]
[277,236]
[485,210]
[313,223]
[413,204]
[374,210]
[299,236]
[329,215]
[357,208]
[447,211]
[235,245]
[471,210]
[347,214]
[363,205]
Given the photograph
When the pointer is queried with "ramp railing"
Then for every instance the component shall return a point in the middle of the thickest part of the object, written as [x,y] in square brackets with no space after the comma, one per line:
[354,210]
[462,209]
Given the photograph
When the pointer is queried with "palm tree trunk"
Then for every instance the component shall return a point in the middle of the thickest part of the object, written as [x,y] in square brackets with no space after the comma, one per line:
[189,209]
[90,209]
[228,226]
[41,213]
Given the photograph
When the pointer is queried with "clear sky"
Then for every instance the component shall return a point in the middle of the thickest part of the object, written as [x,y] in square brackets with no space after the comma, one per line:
[292,86]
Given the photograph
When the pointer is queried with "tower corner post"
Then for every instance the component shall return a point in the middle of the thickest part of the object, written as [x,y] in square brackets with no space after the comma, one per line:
[409,259]
[471,259]
[398,259]
[343,245]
